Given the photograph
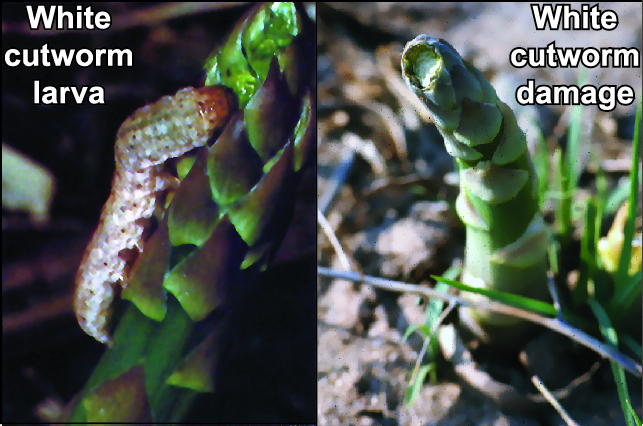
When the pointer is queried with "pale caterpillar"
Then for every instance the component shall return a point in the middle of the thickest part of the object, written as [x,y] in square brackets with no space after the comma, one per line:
[154,133]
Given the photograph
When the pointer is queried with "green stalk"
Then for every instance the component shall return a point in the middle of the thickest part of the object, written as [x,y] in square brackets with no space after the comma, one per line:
[506,242]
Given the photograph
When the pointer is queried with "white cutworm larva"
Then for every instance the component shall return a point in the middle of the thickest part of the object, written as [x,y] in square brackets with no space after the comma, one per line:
[154,133]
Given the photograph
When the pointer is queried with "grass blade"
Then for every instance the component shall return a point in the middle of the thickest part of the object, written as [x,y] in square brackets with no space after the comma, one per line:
[511,299]
[611,338]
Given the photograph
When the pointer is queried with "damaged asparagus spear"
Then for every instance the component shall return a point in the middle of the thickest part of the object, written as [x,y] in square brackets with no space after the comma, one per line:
[506,240]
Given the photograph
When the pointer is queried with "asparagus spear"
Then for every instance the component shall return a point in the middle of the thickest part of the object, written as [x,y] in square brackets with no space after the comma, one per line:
[220,229]
[506,240]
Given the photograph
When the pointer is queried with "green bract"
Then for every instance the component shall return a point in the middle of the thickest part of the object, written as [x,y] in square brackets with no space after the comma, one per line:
[264,35]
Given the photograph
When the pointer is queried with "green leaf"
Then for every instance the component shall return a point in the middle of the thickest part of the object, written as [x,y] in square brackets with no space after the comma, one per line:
[628,230]
[268,127]
[269,34]
[253,214]
[243,62]
[423,328]
[540,159]
[632,345]
[609,334]
[636,418]
[193,214]
[514,300]
[201,281]
[145,286]
[122,399]
[196,371]
[413,390]
[234,167]
[573,154]
[587,255]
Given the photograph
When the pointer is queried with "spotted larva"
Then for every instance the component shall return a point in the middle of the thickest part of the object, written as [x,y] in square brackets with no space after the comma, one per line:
[151,135]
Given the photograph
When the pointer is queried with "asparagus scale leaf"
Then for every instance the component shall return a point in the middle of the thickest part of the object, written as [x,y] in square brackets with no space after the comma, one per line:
[506,241]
